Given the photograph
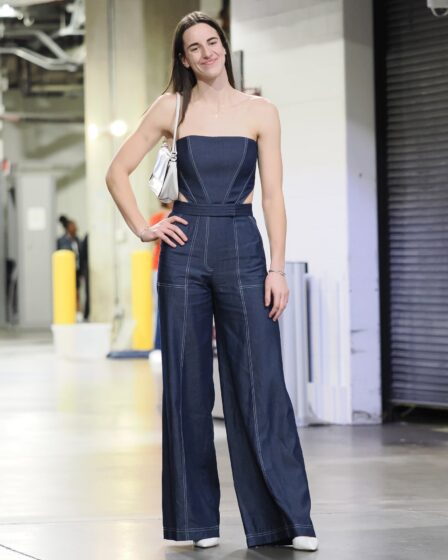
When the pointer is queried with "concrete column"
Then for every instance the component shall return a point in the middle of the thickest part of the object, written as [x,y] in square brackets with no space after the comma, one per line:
[308,60]
[128,47]
[365,364]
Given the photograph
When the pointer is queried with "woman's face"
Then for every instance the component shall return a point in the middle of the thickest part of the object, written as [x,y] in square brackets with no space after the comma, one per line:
[204,52]
[71,228]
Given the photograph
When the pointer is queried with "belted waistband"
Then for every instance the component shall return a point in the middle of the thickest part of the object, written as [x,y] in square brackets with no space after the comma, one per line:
[228,209]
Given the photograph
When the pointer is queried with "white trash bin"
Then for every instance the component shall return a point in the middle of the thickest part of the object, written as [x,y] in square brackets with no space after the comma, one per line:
[82,341]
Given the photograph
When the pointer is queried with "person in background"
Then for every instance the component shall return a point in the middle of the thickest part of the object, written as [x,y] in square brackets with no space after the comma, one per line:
[70,240]
[84,271]
[165,208]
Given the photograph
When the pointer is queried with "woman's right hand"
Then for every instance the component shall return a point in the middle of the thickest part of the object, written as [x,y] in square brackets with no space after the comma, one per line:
[164,229]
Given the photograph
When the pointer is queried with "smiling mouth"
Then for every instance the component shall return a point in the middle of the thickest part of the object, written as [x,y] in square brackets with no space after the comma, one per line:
[209,62]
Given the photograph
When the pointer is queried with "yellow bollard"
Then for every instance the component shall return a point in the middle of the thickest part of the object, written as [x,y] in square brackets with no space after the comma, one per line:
[64,287]
[142,301]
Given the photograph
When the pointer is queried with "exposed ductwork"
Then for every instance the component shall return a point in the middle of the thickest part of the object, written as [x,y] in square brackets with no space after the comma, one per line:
[25,3]
[61,60]
[16,117]
[36,58]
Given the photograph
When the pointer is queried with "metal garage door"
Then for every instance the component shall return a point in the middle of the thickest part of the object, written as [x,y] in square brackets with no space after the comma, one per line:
[414,185]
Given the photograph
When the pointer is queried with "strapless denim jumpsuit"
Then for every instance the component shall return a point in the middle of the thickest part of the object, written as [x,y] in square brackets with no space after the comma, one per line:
[220,272]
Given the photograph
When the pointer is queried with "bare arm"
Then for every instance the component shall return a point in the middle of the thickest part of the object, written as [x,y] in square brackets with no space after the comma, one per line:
[271,176]
[154,124]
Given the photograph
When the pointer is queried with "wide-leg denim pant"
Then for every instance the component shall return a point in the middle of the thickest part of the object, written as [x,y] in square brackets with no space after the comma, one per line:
[220,272]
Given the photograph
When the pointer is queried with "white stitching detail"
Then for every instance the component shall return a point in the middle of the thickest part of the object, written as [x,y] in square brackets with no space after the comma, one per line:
[186,184]
[207,220]
[190,528]
[279,530]
[237,169]
[249,354]
[196,169]
[244,186]
[184,333]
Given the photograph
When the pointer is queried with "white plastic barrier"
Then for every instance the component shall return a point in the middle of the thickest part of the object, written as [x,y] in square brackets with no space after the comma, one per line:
[82,341]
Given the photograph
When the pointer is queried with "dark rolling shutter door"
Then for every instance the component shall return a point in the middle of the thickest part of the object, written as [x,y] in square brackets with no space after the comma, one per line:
[416,162]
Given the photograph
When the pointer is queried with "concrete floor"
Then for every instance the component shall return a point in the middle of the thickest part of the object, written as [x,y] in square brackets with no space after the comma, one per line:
[80,471]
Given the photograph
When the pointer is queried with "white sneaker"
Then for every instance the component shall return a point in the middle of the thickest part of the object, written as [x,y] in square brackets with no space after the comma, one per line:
[305,543]
[155,356]
[205,543]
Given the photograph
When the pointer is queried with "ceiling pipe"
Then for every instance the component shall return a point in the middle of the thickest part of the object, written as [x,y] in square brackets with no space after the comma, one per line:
[40,60]
[15,117]
[45,39]
[25,3]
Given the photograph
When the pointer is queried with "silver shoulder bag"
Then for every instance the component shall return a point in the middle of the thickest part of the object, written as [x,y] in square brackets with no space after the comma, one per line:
[163,180]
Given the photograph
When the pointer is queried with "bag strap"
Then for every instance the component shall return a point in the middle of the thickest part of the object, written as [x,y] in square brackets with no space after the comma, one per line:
[173,148]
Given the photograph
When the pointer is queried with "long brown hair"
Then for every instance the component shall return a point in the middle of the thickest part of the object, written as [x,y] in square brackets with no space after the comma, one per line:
[183,79]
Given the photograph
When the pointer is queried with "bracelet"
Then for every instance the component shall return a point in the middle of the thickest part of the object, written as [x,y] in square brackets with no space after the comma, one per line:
[279,271]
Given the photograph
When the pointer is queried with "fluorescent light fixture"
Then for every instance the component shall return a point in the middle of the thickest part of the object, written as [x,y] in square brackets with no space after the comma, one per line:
[116,128]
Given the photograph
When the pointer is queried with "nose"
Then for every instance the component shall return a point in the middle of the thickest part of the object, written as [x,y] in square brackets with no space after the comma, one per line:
[207,52]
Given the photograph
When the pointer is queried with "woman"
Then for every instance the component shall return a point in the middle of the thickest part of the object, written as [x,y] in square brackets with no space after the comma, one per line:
[212,263]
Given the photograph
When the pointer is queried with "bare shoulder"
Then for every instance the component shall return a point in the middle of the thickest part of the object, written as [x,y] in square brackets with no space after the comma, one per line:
[161,112]
[164,102]
[264,107]
[167,101]
[265,115]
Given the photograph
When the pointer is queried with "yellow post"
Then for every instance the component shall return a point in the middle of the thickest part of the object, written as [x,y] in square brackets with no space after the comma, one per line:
[64,287]
[142,301]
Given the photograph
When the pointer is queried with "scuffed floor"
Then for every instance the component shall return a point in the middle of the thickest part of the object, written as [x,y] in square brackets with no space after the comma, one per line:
[80,471]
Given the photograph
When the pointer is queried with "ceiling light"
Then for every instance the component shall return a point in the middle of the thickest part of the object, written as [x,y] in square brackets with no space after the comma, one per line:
[118,128]
[7,11]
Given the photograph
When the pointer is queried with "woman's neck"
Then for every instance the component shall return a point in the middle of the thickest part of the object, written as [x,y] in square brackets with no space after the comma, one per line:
[216,93]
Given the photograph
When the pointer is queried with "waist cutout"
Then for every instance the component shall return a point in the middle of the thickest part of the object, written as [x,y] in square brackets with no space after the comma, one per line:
[228,209]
